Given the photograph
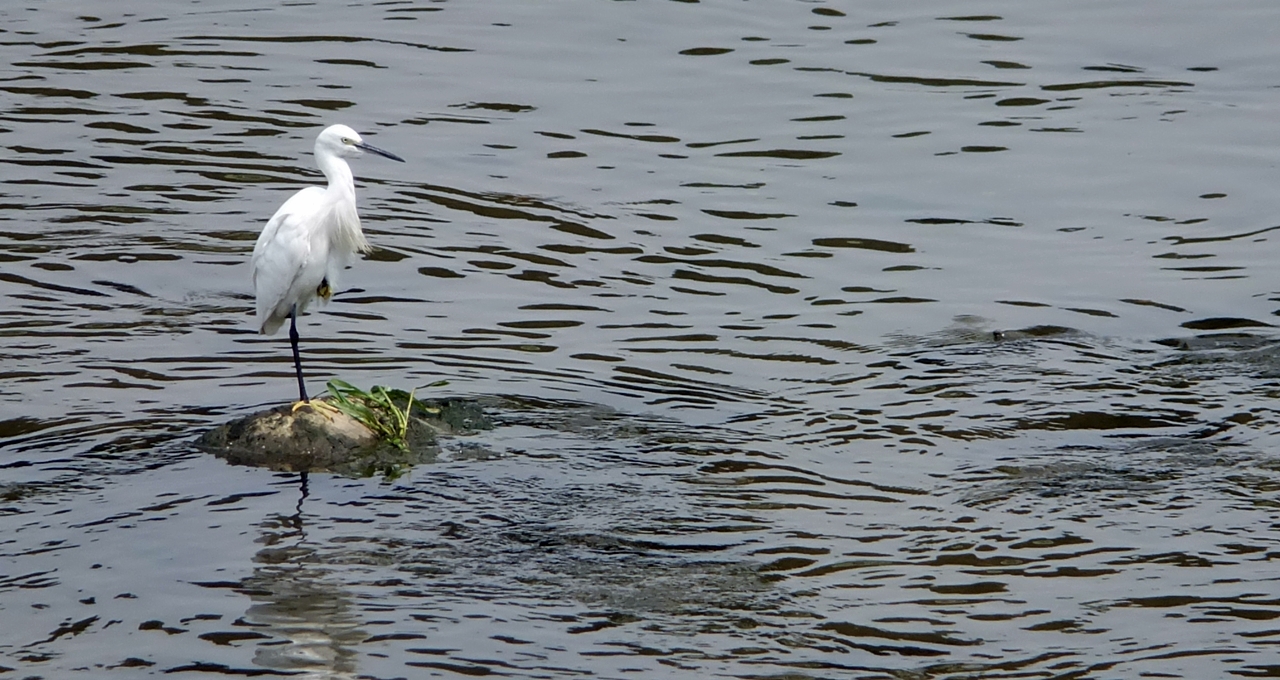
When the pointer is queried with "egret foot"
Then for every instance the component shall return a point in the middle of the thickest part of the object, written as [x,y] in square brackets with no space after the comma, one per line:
[320,406]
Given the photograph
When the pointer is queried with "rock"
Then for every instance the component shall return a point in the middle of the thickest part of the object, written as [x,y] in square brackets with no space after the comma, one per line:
[319,438]
[284,439]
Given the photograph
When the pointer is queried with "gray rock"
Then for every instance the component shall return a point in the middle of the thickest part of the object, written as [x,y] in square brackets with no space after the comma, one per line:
[322,439]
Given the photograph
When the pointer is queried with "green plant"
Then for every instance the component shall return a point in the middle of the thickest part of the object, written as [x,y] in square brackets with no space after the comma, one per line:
[377,409]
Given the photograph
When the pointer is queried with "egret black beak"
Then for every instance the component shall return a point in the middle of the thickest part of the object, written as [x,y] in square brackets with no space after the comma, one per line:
[373,149]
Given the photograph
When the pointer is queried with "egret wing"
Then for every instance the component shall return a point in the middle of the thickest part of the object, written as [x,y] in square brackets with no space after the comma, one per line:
[280,257]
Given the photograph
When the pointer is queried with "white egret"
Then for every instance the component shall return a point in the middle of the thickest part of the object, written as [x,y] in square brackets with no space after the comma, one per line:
[310,240]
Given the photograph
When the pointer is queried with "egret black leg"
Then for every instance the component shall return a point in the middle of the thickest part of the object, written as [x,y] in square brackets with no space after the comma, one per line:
[297,358]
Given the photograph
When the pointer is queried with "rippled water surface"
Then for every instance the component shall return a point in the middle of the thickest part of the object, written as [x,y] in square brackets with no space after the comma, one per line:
[824,340]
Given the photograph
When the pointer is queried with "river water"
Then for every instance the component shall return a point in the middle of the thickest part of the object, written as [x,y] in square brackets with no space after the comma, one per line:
[824,340]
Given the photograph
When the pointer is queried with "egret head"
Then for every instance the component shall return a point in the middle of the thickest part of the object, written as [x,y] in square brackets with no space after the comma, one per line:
[343,142]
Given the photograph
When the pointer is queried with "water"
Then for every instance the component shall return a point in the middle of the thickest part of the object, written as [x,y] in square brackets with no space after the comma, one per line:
[826,340]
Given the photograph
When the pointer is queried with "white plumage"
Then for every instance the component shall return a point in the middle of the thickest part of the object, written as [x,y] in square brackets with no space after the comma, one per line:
[309,241]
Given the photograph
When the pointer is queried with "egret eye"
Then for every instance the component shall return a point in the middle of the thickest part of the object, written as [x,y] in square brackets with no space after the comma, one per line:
[347,141]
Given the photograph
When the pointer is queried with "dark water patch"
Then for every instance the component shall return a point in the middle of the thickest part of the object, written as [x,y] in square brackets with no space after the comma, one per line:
[1091,312]
[84,65]
[1102,84]
[868,244]
[1219,324]
[1152,303]
[790,154]
[744,215]
[992,37]
[1022,101]
[725,240]
[704,145]
[934,82]
[720,263]
[1114,68]
[1002,64]
[497,106]
[22,280]
[706,51]
[661,139]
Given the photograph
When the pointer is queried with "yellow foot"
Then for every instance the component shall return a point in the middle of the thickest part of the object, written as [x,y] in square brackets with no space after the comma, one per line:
[321,406]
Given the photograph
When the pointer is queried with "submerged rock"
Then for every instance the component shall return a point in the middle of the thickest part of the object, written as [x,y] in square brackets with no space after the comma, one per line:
[320,438]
